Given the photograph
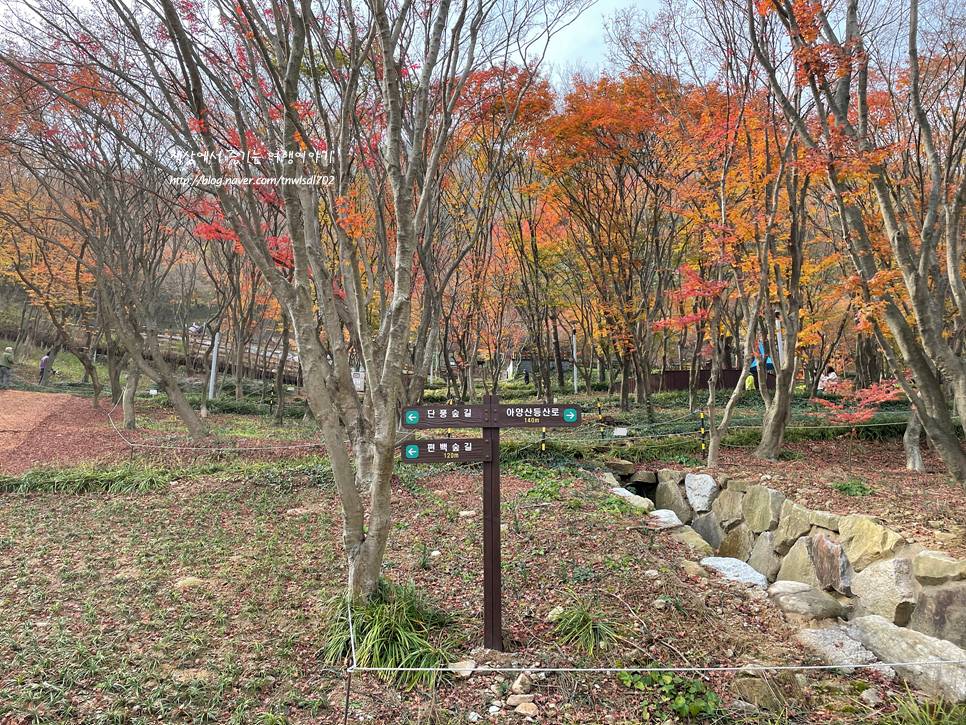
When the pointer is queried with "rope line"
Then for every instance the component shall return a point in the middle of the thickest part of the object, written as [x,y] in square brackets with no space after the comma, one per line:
[610,670]
[235,449]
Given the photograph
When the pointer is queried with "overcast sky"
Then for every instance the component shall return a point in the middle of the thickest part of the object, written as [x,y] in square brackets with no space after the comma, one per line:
[583,41]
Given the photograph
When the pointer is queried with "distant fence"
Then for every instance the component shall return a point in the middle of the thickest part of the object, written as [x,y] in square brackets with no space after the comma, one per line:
[681,380]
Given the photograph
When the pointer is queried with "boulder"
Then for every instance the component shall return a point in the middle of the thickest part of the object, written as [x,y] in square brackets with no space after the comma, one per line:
[807,606]
[941,613]
[620,467]
[836,645]
[793,524]
[932,568]
[666,474]
[639,502]
[824,520]
[799,566]
[761,508]
[759,693]
[734,569]
[708,529]
[727,507]
[831,565]
[864,540]
[739,486]
[886,588]
[689,537]
[643,477]
[669,496]
[610,480]
[763,558]
[738,544]
[527,709]
[701,490]
[665,518]
[693,568]
[895,644]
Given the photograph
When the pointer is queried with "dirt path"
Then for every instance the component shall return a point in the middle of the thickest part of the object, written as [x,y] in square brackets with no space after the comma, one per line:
[52,429]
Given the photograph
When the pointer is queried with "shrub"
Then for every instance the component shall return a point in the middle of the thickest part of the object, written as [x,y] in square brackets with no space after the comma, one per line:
[392,629]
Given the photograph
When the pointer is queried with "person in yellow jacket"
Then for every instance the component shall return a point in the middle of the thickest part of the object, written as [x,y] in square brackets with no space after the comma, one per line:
[750,382]
[6,365]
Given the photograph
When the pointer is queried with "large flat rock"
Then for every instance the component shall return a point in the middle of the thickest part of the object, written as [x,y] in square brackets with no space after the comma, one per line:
[906,647]
[807,605]
[839,645]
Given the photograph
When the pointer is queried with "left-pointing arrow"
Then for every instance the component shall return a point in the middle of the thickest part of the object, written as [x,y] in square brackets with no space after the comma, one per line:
[412,416]
[412,451]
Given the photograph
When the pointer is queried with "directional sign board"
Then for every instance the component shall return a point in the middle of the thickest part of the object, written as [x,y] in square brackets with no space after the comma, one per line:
[446,416]
[490,417]
[444,450]
[537,416]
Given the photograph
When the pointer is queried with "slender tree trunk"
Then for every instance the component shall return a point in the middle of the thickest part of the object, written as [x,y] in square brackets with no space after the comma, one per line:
[777,416]
[280,372]
[127,399]
[556,353]
[910,443]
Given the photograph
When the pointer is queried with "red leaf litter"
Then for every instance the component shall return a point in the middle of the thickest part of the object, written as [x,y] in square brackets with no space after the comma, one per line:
[52,429]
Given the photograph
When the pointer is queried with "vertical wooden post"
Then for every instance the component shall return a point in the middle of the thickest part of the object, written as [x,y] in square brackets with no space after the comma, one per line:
[492,564]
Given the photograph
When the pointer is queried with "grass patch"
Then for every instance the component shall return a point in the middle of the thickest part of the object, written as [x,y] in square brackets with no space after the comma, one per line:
[134,477]
[853,487]
[395,628]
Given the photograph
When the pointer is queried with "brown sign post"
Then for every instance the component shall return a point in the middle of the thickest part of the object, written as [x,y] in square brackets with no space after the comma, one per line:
[491,416]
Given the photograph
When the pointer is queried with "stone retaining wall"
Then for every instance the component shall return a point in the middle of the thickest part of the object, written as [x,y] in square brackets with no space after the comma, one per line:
[892,596]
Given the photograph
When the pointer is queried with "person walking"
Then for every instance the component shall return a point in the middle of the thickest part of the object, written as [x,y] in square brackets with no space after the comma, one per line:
[6,365]
[43,366]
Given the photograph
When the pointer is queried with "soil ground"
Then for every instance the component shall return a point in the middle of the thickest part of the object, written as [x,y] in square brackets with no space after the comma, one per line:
[203,601]
[42,429]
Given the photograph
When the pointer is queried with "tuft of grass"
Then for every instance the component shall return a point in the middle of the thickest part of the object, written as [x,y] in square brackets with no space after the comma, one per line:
[394,628]
[128,478]
[578,625]
[909,711]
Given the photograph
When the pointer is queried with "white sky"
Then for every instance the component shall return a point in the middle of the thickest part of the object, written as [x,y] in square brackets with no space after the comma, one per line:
[582,42]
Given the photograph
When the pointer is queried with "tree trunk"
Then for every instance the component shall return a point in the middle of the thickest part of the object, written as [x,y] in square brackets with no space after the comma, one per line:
[280,372]
[49,369]
[777,416]
[556,353]
[127,398]
[910,443]
[625,381]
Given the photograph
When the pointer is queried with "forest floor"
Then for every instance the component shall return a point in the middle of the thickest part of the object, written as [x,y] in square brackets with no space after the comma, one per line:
[204,600]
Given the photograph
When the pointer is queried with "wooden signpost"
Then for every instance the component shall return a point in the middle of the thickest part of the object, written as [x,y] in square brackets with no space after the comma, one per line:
[490,417]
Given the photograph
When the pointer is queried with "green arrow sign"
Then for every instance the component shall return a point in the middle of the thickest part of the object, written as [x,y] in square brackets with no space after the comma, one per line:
[412,451]
[412,416]
[570,415]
